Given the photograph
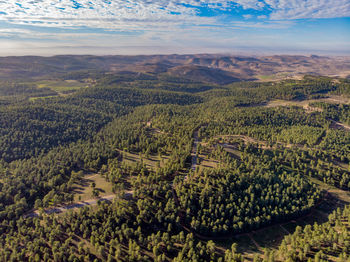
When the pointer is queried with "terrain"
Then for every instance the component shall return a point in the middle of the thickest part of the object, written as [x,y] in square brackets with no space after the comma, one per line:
[174,158]
[219,69]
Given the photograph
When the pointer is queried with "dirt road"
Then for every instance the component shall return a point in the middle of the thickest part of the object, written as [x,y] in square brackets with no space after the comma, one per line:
[65,208]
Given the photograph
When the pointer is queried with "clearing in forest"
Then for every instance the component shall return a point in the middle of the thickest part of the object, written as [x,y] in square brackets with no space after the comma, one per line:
[83,189]
[333,99]
[151,161]
[64,86]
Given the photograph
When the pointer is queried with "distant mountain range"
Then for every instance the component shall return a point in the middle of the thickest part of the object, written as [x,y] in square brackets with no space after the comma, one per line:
[217,69]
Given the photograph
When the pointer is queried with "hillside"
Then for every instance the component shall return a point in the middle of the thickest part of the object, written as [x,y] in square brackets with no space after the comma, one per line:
[195,67]
[110,159]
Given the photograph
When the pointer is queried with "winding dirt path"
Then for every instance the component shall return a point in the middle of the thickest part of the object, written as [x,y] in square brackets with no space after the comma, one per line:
[253,240]
[337,125]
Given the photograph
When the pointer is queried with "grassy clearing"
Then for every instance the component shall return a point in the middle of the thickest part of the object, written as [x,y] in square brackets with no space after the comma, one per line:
[233,151]
[83,189]
[279,76]
[305,103]
[245,245]
[266,77]
[32,99]
[336,195]
[290,226]
[61,86]
[204,159]
[206,163]
[151,161]
[269,237]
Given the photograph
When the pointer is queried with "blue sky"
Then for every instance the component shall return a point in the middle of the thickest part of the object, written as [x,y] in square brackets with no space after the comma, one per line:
[44,27]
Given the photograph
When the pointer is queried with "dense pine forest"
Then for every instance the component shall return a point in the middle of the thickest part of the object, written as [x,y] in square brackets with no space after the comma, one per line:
[97,166]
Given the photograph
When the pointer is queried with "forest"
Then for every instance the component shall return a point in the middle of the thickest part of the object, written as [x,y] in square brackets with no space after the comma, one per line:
[196,170]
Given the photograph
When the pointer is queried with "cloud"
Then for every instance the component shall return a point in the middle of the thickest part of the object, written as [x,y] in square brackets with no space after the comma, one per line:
[262,25]
[64,24]
[6,32]
[248,16]
[141,14]
[301,9]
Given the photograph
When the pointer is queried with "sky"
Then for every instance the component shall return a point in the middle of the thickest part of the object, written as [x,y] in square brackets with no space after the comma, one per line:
[108,27]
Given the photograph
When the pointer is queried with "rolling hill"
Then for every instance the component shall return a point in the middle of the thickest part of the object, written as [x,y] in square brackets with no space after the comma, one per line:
[206,68]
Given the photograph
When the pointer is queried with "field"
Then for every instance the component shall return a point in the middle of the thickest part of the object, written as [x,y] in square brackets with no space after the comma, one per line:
[305,103]
[62,87]
[279,76]
[83,189]
[151,161]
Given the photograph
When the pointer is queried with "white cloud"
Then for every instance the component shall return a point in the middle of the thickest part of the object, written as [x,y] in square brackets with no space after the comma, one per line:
[149,23]
[14,32]
[96,14]
[143,14]
[299,9]
[262,25]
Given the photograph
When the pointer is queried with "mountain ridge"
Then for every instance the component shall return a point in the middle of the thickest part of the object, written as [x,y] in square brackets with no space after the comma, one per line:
[200,67]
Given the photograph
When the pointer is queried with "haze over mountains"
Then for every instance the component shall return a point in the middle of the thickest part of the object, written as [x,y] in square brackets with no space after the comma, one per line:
[217,69]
